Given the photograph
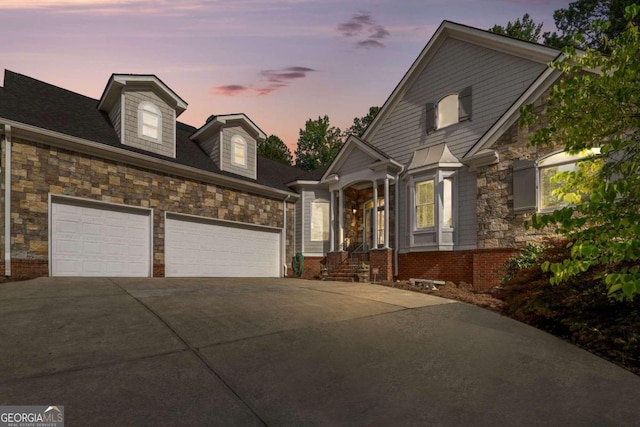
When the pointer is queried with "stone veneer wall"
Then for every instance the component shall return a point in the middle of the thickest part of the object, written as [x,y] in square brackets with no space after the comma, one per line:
[498,225]
[38,170]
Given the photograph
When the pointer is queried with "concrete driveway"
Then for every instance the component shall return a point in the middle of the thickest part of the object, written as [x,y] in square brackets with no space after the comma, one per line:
[290,352]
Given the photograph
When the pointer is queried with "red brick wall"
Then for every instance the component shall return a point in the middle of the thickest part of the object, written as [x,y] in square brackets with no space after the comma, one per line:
[28,269]
[454,266]
[480,267]
[382,259]
[311,268]
[158,270]
[488,267]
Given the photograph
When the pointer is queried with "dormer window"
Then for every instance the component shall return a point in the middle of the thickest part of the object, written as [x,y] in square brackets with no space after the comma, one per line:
[238,151]
[149,122]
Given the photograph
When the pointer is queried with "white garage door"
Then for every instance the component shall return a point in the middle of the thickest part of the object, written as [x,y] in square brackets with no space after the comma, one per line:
[200,248]
[91,239]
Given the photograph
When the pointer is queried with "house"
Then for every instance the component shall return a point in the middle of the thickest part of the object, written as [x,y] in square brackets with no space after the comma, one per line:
[441,182]
[437,187]
[118,187]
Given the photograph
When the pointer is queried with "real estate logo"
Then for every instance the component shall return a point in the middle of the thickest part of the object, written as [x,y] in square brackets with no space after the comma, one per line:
[31,416]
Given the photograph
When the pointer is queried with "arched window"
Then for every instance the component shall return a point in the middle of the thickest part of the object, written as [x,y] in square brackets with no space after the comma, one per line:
[149,122]
[448,111]
[238,151]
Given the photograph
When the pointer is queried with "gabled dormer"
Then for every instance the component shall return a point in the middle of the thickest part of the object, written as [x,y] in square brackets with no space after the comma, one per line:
[231,141]
[143,111]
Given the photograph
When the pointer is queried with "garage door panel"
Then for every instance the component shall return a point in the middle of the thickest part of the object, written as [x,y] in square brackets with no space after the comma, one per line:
[99,241]
[220,250]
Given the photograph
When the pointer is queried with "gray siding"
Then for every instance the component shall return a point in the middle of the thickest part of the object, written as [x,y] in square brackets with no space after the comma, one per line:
[211,146]
[133,98]
[227,134]
[467,193]
[116,118]
[356,161]
[298,226]
[497,79]
[310,247]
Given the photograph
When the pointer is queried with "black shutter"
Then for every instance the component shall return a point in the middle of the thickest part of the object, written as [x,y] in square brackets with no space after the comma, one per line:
[430,117]
[464,104]
[524,185]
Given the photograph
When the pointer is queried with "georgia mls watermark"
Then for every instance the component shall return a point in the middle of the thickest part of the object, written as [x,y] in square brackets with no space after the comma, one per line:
[31,416]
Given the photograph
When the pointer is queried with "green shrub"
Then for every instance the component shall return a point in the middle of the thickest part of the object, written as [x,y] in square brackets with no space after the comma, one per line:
[525,259]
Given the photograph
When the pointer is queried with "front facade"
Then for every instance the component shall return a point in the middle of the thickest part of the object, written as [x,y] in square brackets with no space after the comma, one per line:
[440,184]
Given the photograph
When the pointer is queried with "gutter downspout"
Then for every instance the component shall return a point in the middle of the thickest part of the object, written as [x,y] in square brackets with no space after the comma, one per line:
[396,239]
[7,201]
[283,256]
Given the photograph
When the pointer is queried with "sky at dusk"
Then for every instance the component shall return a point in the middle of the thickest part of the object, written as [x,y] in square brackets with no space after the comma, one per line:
[279,61]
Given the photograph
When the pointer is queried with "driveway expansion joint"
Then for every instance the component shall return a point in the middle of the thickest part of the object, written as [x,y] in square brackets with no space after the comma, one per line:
[195,351]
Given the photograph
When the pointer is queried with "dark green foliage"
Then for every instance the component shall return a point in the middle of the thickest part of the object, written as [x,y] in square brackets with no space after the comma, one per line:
[524,29]
[583,17]
[577,310]
[318,144]
[275,149]
[525,259]
[360,123]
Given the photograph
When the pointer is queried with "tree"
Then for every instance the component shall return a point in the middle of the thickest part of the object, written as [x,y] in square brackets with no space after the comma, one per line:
[524,29]
[361,123]
[275,149]
[598,111]
[579,24]
[318,144]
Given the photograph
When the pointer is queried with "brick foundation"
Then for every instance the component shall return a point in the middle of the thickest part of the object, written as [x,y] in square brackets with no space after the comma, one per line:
[480,267]
[381,259]
[311,268]
[158,270]
[28,269]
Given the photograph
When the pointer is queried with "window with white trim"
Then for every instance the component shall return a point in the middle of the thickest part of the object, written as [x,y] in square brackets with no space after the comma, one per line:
[425,208]
[447,202]
[149,122]
[319,220]
[451,109]
[549,180]
[238,151]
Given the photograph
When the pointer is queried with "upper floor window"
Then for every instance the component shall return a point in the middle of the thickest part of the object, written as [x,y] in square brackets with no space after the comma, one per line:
[149,122]
[319,220]
[451,109]
[447,111]
[238,151]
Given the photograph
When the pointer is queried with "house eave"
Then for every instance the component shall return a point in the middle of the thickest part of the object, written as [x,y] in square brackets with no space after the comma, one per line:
[68,142]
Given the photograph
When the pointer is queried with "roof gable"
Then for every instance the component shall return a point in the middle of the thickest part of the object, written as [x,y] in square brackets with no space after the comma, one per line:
[356,147]
[450,30]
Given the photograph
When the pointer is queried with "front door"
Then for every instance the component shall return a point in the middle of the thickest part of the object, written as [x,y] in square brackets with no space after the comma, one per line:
[368,223]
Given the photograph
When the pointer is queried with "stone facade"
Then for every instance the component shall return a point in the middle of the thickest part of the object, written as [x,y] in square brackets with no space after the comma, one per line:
[38,170]
[498,225]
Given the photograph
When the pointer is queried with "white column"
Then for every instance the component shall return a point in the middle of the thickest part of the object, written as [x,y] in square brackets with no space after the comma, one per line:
[386,213]
[374,216]
[341,219]
[332,222]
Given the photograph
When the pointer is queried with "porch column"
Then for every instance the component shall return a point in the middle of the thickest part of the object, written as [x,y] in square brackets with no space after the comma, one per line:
[374,216]
[341,220]
[332,222]
[386,213]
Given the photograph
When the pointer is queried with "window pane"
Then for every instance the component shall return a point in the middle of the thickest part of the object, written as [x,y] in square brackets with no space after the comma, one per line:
[447,203]
[150,122]
[547,185]
[448,111]
[424,192]
[425,216]
[319,221]
[239,153]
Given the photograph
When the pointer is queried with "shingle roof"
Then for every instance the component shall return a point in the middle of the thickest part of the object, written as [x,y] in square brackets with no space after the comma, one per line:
[30,101]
